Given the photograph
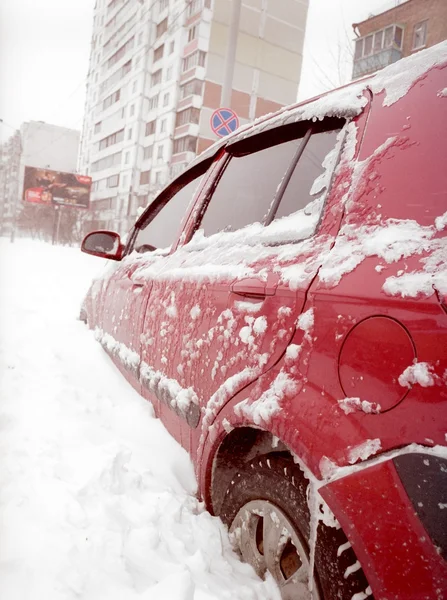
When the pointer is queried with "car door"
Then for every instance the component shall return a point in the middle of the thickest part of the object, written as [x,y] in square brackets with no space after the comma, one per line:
[245,273]
[155,241]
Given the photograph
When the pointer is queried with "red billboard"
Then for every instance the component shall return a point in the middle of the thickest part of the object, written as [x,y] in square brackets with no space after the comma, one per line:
[43,186]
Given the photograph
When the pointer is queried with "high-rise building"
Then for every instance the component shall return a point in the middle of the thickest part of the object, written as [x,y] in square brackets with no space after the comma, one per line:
[155,77]
[403,29]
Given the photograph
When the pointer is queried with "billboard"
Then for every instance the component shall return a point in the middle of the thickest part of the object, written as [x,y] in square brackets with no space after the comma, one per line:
[43,186]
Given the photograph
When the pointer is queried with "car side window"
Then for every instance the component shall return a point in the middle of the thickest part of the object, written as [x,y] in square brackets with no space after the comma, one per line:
[301,189]
[272,183]
[247,188]
[161,231]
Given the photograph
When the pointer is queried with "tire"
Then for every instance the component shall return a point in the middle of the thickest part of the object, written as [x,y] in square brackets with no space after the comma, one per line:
[274,485]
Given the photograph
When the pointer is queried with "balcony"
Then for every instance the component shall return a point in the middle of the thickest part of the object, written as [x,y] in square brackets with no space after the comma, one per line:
[374,62]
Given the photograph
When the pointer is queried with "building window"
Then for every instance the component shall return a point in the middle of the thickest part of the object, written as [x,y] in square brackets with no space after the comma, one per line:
[132,110]
[129,133]
[124,181]
[127,158]
[161,28]
[169,74]
[164,4]
[113,181]
[145,177]
[147,152]
[111,99]
[126,68]
[197,5]
[190,115]
[390,37]
[196,59]
[420,35]
[185,144]
[158,178]
[106,162]
[150,128]
[153,102]
[160,152]
[120,53]
[192,87]
[166,99]
[111,139]
[97,127]
[140,38]
[156,77]
[163,126]
[192,33]
[158,52]
[172,47]
[123,112]
[134,86]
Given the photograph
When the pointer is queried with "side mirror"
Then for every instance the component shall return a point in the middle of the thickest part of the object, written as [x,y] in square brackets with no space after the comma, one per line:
[106,244]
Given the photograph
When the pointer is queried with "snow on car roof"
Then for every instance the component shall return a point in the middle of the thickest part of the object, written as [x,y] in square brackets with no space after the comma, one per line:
[345,102]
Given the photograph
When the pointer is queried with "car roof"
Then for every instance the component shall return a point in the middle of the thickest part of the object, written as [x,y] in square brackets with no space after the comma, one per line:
[344,102]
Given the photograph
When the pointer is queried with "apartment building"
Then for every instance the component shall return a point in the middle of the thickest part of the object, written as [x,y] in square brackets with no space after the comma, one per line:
[9,180]
[405,28]
[155,78]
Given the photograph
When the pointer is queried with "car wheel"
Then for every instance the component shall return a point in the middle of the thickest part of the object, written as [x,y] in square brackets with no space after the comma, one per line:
[266,510]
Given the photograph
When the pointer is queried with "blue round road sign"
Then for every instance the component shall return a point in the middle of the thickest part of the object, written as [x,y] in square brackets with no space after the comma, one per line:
[224,121]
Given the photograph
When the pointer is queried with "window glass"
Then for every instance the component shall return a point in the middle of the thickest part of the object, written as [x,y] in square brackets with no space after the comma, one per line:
[310,166]
[247,188]
[161,231]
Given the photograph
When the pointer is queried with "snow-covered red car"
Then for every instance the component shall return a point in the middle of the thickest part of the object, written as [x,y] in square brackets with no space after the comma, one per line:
[283,305]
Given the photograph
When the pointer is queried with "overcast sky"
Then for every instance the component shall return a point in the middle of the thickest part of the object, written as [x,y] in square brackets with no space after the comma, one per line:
[45,45]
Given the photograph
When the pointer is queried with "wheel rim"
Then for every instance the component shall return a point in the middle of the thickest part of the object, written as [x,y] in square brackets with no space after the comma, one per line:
[268,540]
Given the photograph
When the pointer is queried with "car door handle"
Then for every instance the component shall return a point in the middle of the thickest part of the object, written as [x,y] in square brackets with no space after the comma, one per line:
[253,288]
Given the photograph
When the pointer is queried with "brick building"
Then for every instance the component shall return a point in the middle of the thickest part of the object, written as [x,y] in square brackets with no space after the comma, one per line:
[398,32]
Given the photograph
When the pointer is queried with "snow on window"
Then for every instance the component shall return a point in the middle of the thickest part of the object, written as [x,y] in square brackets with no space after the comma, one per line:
[419,372]
[350,405]
[364,450]
[268,404]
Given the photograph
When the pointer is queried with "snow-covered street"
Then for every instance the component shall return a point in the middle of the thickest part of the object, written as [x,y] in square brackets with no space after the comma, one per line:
[96,499]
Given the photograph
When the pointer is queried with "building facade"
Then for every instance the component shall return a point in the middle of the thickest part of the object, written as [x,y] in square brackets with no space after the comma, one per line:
[155,78]
[410,26]
[37,144]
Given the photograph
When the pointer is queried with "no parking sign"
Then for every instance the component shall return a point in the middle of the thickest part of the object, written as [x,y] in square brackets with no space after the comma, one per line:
[224,121]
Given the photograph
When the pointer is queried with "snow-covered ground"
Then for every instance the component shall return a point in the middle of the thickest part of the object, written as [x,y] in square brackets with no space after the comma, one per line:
[96,499]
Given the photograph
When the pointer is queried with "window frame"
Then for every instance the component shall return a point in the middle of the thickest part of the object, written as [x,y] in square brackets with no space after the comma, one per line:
[423,27]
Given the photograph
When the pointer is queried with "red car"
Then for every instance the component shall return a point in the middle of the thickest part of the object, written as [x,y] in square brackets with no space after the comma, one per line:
[283,305]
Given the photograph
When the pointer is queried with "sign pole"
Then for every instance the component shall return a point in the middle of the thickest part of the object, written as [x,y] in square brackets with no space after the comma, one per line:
[55,224]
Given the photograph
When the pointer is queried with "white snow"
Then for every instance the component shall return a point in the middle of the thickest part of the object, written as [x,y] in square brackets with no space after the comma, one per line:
[269,402]
[306,320]
[443,93]
[195,312]
[419,372]
[96,499]
[350,405]
[441,222]
[293,351]
[398,78]
[364,450]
